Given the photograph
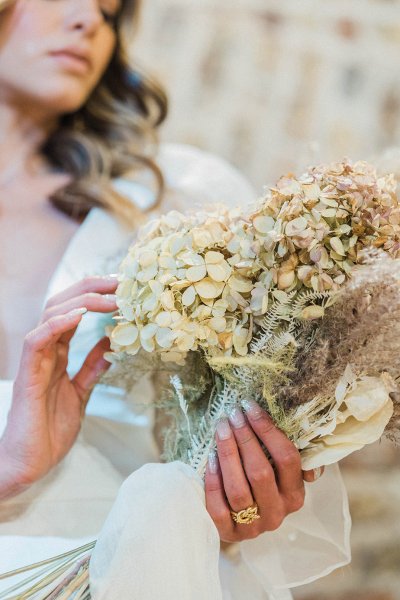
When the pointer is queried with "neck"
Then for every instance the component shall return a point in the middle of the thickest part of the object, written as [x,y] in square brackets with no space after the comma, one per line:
[22,134]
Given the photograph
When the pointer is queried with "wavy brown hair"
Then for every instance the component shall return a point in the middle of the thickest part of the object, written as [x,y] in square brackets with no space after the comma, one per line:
[113,134]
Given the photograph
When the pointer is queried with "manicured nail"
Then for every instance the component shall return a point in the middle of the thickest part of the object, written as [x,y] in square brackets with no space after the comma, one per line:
[112,277]
[78,311]
[317,473]
[252,408]
[236,417]
[223,429]
[110,297]
[213,462]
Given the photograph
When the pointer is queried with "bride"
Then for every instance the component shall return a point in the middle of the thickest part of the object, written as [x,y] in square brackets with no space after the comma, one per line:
[79,170]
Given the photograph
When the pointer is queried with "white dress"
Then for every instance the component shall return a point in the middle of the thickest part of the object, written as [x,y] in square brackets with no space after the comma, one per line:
[158,541]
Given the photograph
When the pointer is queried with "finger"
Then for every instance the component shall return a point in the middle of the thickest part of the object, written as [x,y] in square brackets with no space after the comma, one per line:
[99,285]
[313,474]
[284,453]
[44,337]
[93,367]
[237,488]
[216,502]
[258,469]
[94,302]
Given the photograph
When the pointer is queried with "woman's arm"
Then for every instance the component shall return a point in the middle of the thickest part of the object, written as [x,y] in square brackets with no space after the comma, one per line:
[47,405]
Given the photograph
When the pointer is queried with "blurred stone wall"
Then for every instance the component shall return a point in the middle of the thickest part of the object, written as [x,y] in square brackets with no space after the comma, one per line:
[273,85]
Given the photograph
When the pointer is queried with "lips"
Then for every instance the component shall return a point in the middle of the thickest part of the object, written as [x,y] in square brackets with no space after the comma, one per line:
[73,58]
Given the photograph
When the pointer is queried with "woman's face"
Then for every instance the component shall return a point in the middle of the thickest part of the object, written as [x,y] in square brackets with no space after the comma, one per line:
[54,52]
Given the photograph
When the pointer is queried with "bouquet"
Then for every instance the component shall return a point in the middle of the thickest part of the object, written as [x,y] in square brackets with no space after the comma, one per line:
[293,302]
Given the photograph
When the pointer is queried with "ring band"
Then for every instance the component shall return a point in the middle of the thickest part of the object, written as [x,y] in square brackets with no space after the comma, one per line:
[246,516]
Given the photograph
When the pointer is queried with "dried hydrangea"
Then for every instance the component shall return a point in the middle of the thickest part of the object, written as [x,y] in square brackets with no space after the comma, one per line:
[204,281]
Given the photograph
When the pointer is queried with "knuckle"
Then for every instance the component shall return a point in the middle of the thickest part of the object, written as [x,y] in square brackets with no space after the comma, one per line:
[266,425]
[50,325]
[88,296]
[249,534]
[244,436]
[220,516]
[29,340]
[230,538]
[87,283]
[239,499]
[275,521]
[46,315]
[50,302]
[262,476]
[290,459]
[212,485]
[296,500]
[226,450]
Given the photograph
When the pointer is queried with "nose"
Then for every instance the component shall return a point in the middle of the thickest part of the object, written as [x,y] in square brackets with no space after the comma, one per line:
[85,15]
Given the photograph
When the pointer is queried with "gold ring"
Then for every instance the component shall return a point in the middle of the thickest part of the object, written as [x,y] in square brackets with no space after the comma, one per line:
[246,516]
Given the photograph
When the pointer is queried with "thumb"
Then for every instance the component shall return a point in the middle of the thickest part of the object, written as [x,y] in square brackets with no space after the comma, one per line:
[92,369]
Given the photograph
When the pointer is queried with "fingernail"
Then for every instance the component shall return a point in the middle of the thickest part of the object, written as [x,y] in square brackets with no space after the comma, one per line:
[112,276]
[213,462]
[236,417]
[317,473]
[110,297]
[223,429]
[78,311]
[252,408]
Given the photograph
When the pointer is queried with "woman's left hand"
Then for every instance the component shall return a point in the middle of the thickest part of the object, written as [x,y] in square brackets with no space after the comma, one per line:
[241,475]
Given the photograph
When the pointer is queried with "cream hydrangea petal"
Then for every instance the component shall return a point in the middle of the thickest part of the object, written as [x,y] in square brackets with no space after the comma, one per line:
[197,273]
[208,288]
[220,271]
[167,300]
[148,331]
[163,319]
[165,337]
[212,258]
[337,246]
[264,224]
[147,258]
[167,261]
[147,273]
[240,284]
[295,226]
[186,342]
[125,334]
[218,324]
[189,296]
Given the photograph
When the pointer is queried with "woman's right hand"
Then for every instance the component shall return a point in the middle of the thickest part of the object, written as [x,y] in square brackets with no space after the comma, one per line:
[47,405]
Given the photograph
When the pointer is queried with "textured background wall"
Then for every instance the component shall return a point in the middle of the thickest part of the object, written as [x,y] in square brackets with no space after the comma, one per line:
[270,84]
[273,85]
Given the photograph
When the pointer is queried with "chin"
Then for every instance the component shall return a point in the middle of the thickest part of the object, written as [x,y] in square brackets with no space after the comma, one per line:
[65,105]
[65,99]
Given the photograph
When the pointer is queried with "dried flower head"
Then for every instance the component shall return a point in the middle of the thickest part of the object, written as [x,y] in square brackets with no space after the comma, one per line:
[204,281]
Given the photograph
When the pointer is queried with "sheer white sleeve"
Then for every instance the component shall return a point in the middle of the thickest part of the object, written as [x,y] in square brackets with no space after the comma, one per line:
[167,541]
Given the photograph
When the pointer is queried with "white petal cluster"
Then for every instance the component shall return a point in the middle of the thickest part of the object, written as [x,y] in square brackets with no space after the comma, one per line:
[362,410]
